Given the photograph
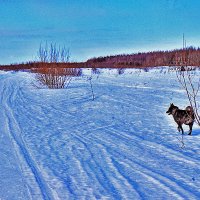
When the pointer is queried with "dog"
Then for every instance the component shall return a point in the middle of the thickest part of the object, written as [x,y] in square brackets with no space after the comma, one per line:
[182,116]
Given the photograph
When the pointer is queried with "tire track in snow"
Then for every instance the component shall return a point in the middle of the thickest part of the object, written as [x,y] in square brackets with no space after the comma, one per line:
[179,191]
[123,173]
[12,143]
[173,154]
[131,181]
[67,181]
[92,167]
[24,156]
[167,182]
[132,138]
[100,170]
[99,173]
[127,139]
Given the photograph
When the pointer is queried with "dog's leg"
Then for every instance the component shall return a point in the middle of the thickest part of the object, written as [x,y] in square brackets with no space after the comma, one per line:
[180,128]
[190,125]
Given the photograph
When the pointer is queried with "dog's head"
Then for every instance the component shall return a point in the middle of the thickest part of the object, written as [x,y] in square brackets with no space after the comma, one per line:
[171,108]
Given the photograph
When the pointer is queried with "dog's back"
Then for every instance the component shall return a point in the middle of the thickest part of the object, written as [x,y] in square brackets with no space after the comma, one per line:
[181,116]
[190,111]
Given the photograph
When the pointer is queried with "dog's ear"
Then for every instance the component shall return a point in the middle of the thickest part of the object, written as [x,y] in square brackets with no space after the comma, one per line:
[172,104]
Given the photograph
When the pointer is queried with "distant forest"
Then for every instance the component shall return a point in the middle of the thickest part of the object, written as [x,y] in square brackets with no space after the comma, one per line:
[189,56]
[178,57]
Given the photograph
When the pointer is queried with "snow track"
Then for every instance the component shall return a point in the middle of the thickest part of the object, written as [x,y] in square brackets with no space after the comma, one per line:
[120,146]
[36,186]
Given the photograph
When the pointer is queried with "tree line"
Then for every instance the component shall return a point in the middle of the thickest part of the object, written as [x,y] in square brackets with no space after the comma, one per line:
[177,57]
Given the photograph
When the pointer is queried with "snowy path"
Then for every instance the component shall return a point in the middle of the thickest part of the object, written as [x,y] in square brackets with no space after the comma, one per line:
[58,144]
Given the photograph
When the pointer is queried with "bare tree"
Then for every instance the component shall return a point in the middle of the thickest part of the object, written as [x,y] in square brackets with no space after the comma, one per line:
[191,84]
[189,80]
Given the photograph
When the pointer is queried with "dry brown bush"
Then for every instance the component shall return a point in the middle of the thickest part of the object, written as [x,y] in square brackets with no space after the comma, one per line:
[56,78]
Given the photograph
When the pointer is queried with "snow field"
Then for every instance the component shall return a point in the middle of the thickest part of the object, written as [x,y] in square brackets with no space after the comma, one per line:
[59,144]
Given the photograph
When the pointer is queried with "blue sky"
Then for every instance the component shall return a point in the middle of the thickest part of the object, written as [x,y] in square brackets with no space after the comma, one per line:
[93,28]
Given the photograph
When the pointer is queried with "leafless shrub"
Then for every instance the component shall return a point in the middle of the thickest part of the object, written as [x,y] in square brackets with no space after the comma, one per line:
[56,78]
[191,84]
[95,71]
[121,71]
[186,76]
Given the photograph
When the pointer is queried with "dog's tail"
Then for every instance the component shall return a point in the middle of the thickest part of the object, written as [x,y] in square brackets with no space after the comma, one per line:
[190,111]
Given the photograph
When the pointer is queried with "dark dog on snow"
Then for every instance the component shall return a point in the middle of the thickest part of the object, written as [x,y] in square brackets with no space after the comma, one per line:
[182,116]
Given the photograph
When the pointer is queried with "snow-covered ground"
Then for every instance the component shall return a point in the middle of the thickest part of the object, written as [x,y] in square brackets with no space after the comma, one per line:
[59,144]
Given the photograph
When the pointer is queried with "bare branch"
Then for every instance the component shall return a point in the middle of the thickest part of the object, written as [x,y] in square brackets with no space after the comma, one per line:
[53,53]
